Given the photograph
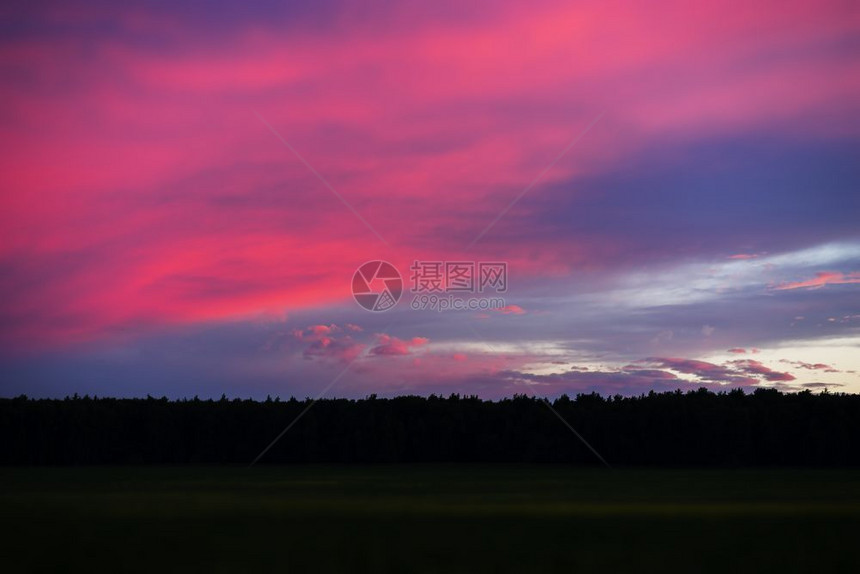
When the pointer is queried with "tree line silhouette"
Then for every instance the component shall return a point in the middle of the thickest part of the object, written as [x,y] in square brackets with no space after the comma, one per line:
[696,428]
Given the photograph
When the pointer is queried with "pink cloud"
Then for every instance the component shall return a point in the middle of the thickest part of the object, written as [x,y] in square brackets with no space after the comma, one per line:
[702,369]
[158,198]
[512,310]
[821,279]
[810,366]
[756,368]
[743,256]
[739,371]
[388,345]
[737,350]
[328,342]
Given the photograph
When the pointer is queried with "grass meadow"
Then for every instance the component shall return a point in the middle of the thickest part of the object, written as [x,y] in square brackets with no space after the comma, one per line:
[430,518]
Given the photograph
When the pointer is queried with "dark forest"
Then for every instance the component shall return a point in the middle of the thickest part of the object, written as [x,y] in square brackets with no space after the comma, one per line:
[697,428]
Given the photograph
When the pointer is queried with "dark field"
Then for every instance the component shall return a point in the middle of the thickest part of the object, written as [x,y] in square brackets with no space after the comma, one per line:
[429,519]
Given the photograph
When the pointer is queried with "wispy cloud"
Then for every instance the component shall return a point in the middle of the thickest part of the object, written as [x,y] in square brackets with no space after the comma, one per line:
[821,279]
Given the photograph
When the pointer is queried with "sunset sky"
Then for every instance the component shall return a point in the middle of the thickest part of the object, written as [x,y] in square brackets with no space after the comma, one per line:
[188,188]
